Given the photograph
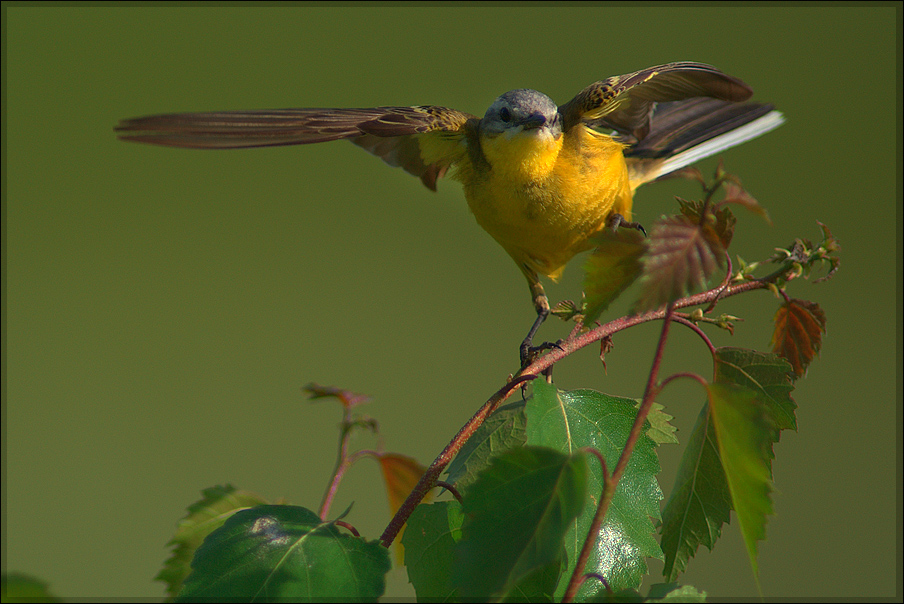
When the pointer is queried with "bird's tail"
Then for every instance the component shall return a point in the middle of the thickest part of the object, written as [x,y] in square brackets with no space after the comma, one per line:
[683,132]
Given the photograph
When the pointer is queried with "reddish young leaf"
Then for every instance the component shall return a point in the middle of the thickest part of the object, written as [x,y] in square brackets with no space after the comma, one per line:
[734,193]
[829,244]
[348,398]
[681,256]
[401,473]
[690,173]
[799,326]
[721,218]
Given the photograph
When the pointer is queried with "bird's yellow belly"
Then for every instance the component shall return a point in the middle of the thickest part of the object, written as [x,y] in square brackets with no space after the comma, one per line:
[544,219]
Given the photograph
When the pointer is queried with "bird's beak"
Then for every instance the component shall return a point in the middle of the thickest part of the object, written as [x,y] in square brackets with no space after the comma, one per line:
[534,121]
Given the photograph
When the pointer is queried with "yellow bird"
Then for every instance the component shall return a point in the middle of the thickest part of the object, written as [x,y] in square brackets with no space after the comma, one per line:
[539,178]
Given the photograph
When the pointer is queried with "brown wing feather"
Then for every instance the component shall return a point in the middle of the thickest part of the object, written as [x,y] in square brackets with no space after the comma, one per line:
[388,132]
[625,103]
[680,125]
[403,152]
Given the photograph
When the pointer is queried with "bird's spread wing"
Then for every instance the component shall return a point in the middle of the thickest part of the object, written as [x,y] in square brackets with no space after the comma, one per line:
[681,125]
[391,133]
[625,103]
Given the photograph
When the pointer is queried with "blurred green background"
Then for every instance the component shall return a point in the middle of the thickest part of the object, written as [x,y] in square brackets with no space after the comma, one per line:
[164,307]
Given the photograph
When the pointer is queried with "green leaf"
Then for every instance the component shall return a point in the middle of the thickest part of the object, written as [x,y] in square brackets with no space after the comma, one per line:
[567,421]
[275,552]
[672,592]
[204,516]
[429,540]
[19,587]
[502,431]
[537,586]
[660,430]
[744,435]
[681,256]
[700,502]
[566,310]
[517,513]
[769,375]
[660,592]
[610,269]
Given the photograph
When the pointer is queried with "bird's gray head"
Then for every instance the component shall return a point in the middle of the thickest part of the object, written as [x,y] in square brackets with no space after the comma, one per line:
[520,110]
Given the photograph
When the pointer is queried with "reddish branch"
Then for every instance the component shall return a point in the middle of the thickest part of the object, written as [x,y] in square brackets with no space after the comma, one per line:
[563,349]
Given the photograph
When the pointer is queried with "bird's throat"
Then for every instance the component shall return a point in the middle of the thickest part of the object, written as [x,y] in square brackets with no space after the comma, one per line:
[527,157]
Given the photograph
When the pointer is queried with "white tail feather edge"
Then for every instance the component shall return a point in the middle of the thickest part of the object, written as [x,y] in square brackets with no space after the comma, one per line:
[757,127]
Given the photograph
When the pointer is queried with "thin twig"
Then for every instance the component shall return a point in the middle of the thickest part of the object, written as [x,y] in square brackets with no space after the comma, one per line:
[451,488]
[342,466]
[571,344]
[676,376]
[699,332]
[728,276]
[348,526]
[428,480]
[576,576]
[610,483]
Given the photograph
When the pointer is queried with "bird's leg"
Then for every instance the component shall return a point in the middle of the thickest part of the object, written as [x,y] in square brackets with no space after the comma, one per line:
[541,304]
[614,221]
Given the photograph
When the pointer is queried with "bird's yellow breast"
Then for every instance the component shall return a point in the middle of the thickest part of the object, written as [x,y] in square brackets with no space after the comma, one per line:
[542,197]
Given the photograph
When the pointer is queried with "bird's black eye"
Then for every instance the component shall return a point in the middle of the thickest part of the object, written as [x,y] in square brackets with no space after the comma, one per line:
[505,115]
